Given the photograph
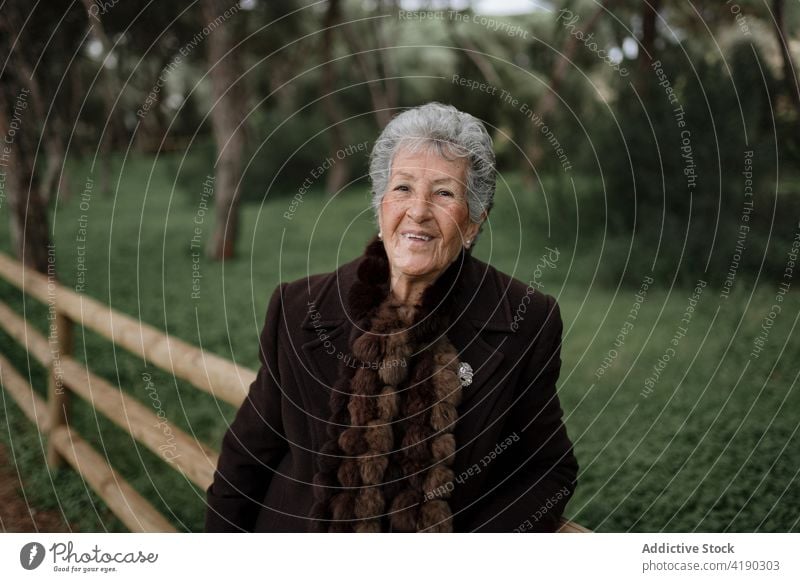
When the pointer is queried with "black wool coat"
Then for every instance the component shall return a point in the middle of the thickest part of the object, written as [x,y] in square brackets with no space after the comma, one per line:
[514,468]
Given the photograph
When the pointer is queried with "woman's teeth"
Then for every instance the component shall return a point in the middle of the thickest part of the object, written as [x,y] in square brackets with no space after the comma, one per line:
[417,237]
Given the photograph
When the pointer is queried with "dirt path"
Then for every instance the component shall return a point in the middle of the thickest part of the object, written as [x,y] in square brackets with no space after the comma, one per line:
[15,514]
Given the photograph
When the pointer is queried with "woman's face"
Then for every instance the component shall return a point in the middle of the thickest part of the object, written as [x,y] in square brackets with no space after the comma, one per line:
[424,216]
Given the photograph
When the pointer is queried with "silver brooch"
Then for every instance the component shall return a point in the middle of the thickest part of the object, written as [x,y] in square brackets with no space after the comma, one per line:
[465,374]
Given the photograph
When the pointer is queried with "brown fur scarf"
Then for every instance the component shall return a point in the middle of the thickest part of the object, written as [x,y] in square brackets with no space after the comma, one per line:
[390,448]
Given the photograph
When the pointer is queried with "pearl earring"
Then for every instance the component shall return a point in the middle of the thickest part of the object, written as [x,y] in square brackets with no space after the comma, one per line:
[380,236]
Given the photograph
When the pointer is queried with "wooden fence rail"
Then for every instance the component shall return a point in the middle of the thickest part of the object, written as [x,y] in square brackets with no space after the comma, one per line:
[211,373]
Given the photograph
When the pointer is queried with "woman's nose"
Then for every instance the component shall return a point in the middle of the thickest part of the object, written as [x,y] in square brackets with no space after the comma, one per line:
[419,207]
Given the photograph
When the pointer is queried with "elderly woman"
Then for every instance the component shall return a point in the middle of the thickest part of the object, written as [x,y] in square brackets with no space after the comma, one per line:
[396,394]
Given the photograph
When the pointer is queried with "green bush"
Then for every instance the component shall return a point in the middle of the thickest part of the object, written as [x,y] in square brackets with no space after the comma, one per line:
[681,196]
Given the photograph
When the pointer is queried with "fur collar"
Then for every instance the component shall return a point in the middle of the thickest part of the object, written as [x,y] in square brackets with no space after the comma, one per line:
[387,463]
[372,284]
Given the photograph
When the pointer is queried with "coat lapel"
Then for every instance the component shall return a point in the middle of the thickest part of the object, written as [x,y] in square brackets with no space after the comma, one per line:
[321,353]
[484,311]
[330,330]
[481,356]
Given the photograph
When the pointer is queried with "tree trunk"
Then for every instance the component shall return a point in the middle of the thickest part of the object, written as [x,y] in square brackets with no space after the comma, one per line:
[338,175]
[35,41]
[382,89]
[388,36]
[647,51]
[549,100]
[227,113]
[50,182]
[152,123]
[110,89]
[30,237]
[52,131]
[790,76]
[474,54]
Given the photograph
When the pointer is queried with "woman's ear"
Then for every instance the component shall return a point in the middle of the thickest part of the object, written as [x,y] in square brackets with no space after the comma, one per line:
[473,228]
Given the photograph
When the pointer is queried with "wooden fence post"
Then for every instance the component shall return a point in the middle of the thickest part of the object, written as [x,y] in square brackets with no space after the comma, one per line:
[57,395]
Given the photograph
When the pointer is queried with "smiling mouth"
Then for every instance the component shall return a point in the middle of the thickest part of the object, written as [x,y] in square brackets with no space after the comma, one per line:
[417,237]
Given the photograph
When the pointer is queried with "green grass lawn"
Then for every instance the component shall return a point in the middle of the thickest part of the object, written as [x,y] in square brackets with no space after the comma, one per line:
[713,446]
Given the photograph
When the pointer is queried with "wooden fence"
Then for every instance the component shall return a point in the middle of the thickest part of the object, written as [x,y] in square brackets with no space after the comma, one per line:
[213,374]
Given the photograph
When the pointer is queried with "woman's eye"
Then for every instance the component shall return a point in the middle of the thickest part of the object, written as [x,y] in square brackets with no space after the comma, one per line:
[445,193]
[401,188]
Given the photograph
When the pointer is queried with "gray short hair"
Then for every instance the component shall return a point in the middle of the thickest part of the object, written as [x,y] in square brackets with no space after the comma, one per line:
[452,133]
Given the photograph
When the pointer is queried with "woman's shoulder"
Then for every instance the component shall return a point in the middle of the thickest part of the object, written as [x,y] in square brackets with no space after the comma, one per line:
[523,295]
[319,281]
[301,295]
